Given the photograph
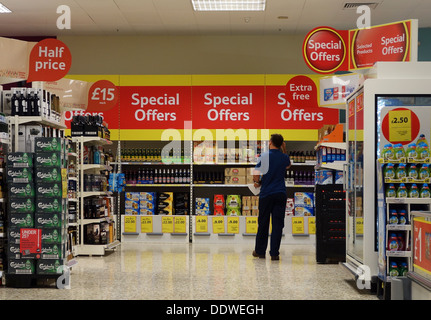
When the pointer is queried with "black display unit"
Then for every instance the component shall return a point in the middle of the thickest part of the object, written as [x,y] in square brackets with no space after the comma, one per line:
[330,201]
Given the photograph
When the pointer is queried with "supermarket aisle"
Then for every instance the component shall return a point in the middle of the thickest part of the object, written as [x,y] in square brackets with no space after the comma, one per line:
[194,272]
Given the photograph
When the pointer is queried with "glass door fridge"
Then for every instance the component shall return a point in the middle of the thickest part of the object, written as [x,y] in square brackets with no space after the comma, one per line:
[388,86]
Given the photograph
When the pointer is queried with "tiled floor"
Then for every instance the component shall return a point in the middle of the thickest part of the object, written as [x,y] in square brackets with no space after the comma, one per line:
[200,272]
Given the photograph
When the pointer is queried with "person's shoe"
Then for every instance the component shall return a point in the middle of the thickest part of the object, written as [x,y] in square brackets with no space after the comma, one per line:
[261,256]
[275,257]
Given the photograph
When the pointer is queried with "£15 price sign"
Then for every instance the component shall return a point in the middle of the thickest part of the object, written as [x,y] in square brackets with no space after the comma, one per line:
[102,96]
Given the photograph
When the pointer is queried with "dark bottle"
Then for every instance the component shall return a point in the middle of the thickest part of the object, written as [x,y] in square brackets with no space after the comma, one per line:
[164,176]
[176,178]
[156,176]
[14,103]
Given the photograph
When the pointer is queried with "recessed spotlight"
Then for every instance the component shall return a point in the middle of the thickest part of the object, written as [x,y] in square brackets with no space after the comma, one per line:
[4,9]
[229,5]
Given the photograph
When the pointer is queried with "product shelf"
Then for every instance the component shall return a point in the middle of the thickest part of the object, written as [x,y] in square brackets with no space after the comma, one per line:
[399,227]
[408,200]
[92,140]
[336,165]
[18,120]
[96,167]
[336,145]
[159,185]
[94,193]
[398,253]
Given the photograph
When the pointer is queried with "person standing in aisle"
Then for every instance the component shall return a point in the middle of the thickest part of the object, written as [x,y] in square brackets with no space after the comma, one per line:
[269,175]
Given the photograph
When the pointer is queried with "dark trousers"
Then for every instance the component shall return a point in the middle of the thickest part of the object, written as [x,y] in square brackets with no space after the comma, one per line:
[272,205]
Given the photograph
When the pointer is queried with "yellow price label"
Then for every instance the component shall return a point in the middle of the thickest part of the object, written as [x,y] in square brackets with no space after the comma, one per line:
[129,223]
[180,224]
[146,224]
[167,224]
[400,125]
[251,225]
[359,225]
[312,225]
[201,224]
[297,225]
[233,225]
[218,224]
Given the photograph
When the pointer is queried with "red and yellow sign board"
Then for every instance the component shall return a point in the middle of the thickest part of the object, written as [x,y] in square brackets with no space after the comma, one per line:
[144,107]
[326,50]
[422,246]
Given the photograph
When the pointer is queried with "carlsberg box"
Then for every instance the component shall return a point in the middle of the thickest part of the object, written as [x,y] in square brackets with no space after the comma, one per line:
[19,160]
[21,205]
[49,266]
[21,266]
[49,204]
[47,175]
[48,159]
[19,190]
[43,144]
[49,189]
[19,175]
[48,220]
[21,220]
[52,251]
[52,235]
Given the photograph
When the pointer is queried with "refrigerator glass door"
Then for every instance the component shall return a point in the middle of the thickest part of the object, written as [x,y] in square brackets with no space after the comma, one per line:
[354,177]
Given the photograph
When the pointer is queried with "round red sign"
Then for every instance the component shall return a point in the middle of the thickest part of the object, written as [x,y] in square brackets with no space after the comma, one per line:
[324,50]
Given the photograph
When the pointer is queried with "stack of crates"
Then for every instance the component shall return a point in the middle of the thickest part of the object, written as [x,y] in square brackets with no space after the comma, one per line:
[37,190]
[330,223]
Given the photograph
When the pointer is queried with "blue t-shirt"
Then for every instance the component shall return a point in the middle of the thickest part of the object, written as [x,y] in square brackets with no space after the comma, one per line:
[272,166]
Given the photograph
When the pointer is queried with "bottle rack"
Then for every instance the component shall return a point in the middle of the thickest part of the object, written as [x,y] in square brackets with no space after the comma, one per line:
[88,241]
[398,258]
[205,177]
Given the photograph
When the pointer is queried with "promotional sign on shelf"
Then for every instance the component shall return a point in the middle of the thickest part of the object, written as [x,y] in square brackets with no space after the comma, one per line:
[403,125]
[30,242]
[50,60]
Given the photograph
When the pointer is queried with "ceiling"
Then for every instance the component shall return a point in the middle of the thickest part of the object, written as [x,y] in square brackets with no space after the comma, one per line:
[176,17]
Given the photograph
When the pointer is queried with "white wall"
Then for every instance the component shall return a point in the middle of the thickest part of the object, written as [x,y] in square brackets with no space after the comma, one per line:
[187,54]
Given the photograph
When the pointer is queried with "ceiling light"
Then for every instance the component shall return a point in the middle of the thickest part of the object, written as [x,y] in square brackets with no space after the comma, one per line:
[4,9]
[229,5]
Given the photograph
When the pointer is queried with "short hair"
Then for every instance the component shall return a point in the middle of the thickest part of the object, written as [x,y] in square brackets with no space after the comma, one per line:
[277,140]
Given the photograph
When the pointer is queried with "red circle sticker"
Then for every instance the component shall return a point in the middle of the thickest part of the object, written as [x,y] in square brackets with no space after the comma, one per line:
[50,60]
[399,126]
[324,50]
[102,96]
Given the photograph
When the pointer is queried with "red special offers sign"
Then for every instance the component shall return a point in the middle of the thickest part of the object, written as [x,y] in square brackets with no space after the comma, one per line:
[228,107]
[325,50]
[422,246]
[153,107]
[380,43]
[50,60]
[103,100]
[295,106]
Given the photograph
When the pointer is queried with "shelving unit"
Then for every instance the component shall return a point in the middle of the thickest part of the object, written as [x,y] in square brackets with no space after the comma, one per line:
[200,189]
[54,238]
[83,248]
